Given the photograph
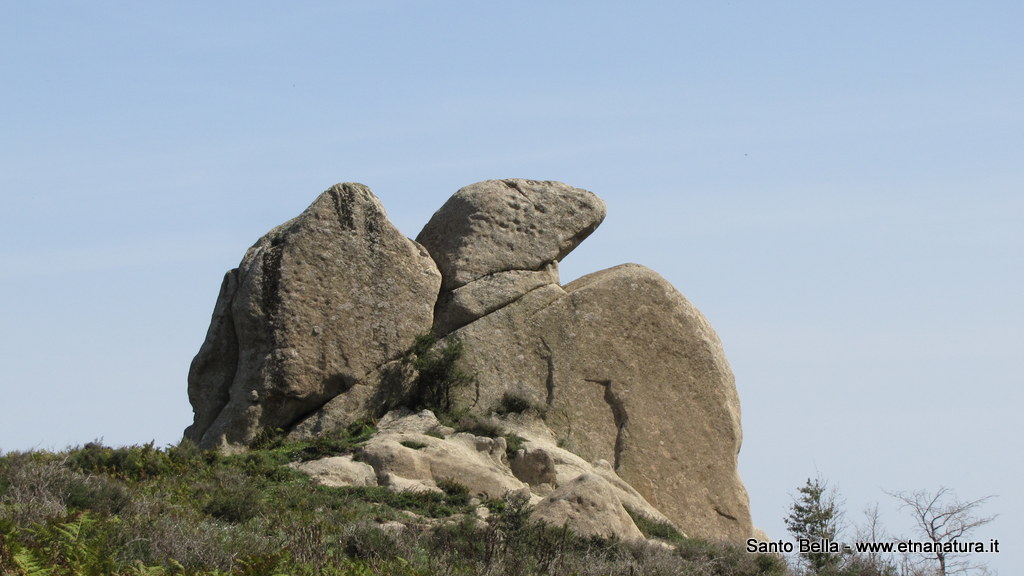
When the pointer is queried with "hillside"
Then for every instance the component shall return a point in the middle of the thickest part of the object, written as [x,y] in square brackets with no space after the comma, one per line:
[180,510]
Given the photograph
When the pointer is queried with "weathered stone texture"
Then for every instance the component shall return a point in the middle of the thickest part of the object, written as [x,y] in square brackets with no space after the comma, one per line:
[480,297]
[589,505]
[321,301]
[501,225]
[632,373]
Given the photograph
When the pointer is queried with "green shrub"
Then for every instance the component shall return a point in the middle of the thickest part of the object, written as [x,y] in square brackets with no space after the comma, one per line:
[458,541]
[268,564]
[269,439]
[651,528]
[513,403]
[131,462]
[426,503]
[513,444]
[79,544]
[438,374]
[7,546]
[187,456]
[513,520]
[729,559]
[233,498]
[268,465]
[464,421]
[370,542]
[457,494]
[333,443]
[98,494]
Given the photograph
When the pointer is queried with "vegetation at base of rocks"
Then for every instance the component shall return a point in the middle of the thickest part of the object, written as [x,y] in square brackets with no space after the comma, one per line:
[726,558]
[465,421]
[142,510]
[425,503]
[513,444]
[455,492]
[438,375]
[330,443]
[517,403]
[651,528]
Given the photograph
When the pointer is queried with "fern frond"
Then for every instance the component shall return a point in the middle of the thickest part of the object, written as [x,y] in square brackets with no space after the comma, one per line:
[28,563]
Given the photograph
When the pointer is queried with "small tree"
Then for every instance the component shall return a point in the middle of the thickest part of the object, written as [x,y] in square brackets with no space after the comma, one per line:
[941,518]
[816,515]
[872,563]
[439,375]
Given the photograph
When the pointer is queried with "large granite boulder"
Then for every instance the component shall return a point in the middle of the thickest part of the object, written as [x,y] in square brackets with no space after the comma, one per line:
[316,305]
[496,240]
[630,372]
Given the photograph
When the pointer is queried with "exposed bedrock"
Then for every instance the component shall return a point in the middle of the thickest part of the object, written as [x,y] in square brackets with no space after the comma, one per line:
[316,305]
[496,240]
[630,372]
[309,334]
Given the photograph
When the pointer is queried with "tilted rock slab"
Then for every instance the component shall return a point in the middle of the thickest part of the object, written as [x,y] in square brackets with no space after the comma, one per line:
[506,237]
[315,305]
[629,372]
[500,225]
[480,297]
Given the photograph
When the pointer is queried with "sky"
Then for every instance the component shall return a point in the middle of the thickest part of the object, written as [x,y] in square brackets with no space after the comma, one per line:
[838,187]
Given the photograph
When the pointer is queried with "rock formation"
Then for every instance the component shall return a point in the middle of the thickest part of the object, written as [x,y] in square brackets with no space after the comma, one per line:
[630,372]
[413,451]
[589,505]
[315,306]
[496,240]
[622,384]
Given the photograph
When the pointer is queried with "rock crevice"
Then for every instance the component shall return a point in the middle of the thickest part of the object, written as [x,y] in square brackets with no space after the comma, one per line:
[619,416]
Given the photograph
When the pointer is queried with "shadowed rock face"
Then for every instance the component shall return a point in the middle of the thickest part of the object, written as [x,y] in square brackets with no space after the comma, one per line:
[316,304]
[306,332]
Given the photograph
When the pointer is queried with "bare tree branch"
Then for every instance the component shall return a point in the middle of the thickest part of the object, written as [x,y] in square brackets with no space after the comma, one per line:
[942,518]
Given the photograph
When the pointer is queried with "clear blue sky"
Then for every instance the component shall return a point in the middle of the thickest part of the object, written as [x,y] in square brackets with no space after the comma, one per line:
[839,187]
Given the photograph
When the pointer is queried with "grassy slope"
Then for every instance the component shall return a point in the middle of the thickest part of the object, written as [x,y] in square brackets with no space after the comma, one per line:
[144,510]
